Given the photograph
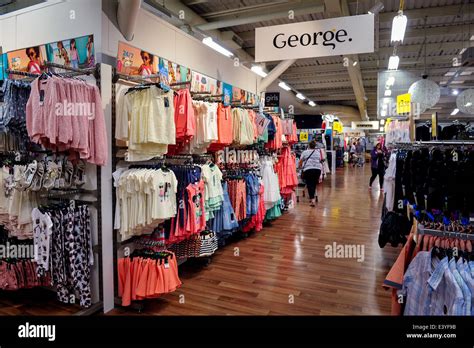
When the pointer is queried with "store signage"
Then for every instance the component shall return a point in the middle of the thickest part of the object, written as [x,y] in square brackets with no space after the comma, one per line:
[404,104]
[327,37]
[303,136]
[272,99]
[365,125]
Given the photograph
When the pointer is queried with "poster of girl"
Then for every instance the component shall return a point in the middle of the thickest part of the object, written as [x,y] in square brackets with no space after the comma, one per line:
[90,51]
[28,60]
[74,54]
[147,64]
[34,63]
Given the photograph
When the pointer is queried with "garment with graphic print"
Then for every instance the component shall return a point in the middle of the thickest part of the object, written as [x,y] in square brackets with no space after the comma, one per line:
[42,230]
[164,186]
[196,221]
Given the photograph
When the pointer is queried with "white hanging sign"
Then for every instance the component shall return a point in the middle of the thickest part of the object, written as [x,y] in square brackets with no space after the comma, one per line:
[327,37]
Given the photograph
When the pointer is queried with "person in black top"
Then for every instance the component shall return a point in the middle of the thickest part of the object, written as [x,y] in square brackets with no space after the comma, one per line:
[377,165]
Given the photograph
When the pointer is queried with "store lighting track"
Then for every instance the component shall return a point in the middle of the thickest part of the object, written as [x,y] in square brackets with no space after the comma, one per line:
[399,26]
[393,62]
[257,69]
[208,41]
[284,86]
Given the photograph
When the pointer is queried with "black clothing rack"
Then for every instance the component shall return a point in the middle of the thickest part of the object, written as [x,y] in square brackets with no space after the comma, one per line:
[448,234]
[21,73]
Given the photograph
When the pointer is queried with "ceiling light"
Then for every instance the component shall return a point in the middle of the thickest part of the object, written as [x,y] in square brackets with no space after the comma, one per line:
[376,8]
[383,113]
[388,93]
[457,82]
[472,38]
[312,103]
[216,47]
[382,122]
[468,104]
[391,81]
[393,62]
[464,73]
[399,26]
[300,96]
[450,73]
[355,63]
[455,92]
[258,70]
[455,111]
[381,129]
[462,50]
[284,86]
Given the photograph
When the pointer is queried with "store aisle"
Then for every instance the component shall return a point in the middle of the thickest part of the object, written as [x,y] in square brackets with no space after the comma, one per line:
[283,269]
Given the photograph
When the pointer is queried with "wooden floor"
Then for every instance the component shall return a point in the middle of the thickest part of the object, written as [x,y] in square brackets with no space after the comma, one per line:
[283,270]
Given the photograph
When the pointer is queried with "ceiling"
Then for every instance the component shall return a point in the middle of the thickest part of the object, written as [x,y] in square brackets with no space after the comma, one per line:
[7,6]
[326,80]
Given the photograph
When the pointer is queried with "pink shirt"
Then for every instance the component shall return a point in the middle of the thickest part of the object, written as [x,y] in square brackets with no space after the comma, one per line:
[66,114]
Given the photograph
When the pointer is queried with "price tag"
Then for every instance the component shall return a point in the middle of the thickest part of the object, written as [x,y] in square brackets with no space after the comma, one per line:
[167,265]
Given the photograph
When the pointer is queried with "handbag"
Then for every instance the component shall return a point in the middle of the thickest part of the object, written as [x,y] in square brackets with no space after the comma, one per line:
[304,164]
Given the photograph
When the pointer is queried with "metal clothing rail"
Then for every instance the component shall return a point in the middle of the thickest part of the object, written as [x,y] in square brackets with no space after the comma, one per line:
[85,71]
[21,73]
[448,234]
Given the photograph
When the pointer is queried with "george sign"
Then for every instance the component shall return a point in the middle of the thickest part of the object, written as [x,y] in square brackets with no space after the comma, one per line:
[303,136]
[327,37]
[365,125]
[404,103]
[272,99]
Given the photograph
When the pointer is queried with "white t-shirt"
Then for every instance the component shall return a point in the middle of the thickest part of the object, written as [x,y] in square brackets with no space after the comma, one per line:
[311,159]
[165,187]
[210,127]
[212,177]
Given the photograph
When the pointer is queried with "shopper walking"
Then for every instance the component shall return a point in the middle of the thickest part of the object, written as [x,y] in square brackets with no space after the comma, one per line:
[352,154]
[377,165]
[310,163]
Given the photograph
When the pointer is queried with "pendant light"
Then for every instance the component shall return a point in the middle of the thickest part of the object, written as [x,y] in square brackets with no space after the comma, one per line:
[465,102]
[425,92]
[399,25]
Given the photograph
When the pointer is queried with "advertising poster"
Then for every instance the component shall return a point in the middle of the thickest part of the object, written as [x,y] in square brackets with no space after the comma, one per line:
[227,91]
[76,53]
[203,83]
[134,61]
[3,66]
[30,59]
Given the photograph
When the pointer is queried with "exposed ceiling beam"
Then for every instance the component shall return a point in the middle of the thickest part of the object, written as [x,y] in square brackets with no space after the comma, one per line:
[251,9]
[385,34]
[411,33]
[420,13]
[301,9]
[194,2]
[366,65]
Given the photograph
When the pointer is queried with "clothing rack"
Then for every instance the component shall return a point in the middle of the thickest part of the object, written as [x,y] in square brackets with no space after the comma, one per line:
[176,84]
[134,78]
[21,73]
[86,71]
[449,234]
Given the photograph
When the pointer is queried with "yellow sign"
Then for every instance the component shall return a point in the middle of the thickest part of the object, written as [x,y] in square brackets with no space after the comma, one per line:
[304,136]
[404,104]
